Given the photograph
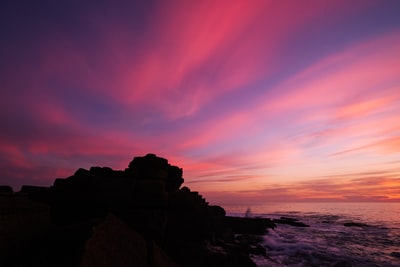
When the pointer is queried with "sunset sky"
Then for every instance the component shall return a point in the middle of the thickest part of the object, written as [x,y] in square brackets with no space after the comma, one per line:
[257,101]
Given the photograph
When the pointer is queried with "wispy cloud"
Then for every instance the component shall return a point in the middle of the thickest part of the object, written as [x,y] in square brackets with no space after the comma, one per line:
[383,186]
[244,97]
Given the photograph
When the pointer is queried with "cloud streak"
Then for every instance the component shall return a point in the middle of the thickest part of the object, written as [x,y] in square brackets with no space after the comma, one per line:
[245,97]
[381,186]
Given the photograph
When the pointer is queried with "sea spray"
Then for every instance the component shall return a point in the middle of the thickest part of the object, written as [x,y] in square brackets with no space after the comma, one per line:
[361,234]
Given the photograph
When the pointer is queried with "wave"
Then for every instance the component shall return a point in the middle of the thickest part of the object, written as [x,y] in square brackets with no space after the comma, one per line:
[331,240]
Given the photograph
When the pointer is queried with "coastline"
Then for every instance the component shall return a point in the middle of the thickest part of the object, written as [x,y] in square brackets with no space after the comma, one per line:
[141,216]
[339,234]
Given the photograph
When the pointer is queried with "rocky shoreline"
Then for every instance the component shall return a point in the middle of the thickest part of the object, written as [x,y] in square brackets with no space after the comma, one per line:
[140,216]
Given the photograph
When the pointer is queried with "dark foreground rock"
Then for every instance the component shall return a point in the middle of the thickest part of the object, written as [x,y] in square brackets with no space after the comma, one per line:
[6,190]
[139,216]
[114,243]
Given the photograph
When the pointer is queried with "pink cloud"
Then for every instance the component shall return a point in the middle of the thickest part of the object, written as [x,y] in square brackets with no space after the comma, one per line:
[347,120]
[385,146]
[323,94]
[217,50]
[192,59]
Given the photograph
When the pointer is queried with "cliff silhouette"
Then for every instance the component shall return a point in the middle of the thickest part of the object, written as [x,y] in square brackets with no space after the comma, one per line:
[140,216]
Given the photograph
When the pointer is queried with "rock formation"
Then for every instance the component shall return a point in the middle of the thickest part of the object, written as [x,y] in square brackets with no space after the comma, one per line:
[141,211]
[6,190]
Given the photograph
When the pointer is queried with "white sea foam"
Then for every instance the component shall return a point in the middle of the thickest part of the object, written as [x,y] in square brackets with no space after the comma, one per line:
[327,242]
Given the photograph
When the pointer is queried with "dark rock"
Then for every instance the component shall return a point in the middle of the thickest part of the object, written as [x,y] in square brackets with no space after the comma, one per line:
[114,243]
[356,224]
[21,221]
[102,171]
[6,190]
[175,179]
[219,256]
[190,221]
[149,167]
[153,167]
[343,263]
[250,243]
[235,248]
[30,189]
[148,203]
[217,211]
[59,246]
[290,221]
[248,225]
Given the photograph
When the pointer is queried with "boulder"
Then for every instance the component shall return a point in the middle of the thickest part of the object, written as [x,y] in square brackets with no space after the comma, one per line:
[114,243]
[6,190]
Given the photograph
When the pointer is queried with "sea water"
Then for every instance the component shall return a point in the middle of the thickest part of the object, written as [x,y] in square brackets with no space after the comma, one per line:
[328,242]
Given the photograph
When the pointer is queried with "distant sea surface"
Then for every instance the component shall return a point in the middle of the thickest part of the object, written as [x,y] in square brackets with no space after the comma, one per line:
[327,242]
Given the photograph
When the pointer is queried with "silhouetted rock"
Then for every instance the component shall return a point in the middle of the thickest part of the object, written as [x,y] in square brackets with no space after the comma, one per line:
[151,214]
[30,189]
[113,243]
[6,190]
[190,222]
[155,168]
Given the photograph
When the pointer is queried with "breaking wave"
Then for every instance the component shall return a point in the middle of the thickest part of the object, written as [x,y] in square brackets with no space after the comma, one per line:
[338,240]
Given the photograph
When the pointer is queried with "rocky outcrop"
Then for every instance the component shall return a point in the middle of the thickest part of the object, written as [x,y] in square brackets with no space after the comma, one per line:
[141,211]
[139,194]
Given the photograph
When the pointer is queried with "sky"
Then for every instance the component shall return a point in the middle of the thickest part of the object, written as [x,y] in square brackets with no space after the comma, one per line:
[257,101]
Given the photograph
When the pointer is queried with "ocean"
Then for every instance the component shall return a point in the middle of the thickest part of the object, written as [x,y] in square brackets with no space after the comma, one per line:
[328,242]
